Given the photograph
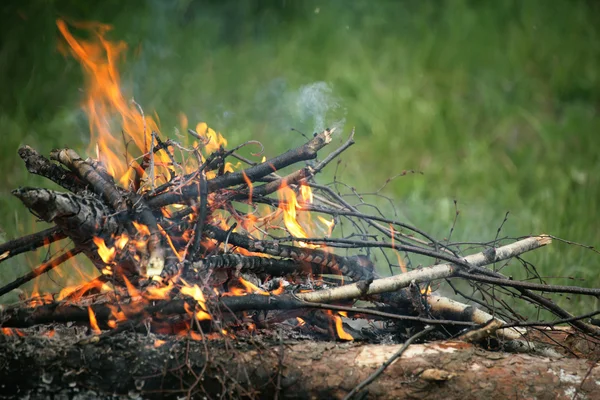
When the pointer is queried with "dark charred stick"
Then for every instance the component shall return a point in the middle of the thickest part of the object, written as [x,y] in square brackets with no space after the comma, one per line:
[30,242]
[529,285]
[298,176]
[203,189]
[549,305]
[259,265]
[306,152]
[401,247]
[42,269]
[22,317]
[40,165]
[273,186]
[356,268]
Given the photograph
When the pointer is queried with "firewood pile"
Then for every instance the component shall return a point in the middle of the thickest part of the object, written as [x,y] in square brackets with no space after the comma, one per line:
[221,281]
[194,258]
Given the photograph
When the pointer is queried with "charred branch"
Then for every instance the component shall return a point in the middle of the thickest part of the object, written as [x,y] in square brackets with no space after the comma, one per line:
[30,242]
[356,268]
[257,265]
[306,152]
[42,269]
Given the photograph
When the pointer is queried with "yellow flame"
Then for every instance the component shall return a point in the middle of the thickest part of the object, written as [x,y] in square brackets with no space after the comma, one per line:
[122,241]
[107,255]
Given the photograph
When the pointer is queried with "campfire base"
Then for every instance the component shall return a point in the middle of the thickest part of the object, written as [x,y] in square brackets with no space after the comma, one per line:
[131,365]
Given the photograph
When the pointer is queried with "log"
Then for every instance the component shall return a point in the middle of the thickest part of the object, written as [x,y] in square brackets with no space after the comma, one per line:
[129,365]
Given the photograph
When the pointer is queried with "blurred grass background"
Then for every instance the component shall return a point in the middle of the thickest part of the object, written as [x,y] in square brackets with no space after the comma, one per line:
[496,102]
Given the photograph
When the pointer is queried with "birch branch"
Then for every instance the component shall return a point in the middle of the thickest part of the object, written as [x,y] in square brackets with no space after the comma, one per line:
[393,283]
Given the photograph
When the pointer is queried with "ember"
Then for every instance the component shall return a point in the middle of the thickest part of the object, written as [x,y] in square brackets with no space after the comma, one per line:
[189,243]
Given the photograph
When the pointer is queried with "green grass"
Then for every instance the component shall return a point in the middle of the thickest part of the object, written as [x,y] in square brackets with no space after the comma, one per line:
[495,102]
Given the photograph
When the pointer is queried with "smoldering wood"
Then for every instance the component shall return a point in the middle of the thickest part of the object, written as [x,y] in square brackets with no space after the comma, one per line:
[257,265]
[63,312]
[128,365]
[356,268]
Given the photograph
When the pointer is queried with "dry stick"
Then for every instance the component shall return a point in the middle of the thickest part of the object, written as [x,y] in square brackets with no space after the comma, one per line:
[42,269]
[306,152]
[553,323]
[298,176]
[383,314]
[389,362]
[30,242]
[548,304]
[88,173]
[40,165]
[385,230]
[443,307]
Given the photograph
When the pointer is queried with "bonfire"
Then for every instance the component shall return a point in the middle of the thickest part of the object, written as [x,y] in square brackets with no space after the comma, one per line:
[218,274]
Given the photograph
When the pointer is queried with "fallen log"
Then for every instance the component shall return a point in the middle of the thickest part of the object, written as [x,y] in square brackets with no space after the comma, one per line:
[129,365]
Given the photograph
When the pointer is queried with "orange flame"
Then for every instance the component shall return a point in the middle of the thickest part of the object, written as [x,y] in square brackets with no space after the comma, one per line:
[105,105]
[93,322]
[339,328]
[196,293]
[289,204]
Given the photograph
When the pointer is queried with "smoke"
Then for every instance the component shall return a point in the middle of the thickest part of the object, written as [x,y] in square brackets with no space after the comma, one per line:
[310,108]
[315,102]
